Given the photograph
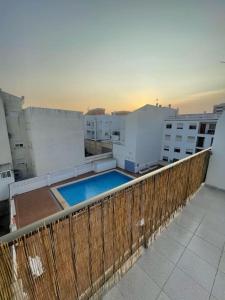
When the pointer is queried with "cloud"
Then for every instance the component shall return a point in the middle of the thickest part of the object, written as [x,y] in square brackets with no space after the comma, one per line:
[201,101]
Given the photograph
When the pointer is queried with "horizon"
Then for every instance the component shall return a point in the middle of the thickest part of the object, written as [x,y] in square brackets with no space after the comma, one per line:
[119,55]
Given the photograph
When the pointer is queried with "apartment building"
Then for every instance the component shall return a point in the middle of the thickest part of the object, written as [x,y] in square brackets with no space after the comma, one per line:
[184,135]
[103,127]
[219,108]
[6,165]
[35,141]
[141,145]
[55,139]
[16,133]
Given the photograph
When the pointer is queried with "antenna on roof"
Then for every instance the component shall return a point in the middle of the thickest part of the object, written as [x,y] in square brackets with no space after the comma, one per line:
[157,102]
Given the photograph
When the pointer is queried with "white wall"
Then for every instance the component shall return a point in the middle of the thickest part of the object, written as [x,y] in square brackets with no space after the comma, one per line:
[31,184]
[143,132]
[55,139]
[5,153]
[16,130]
[151,125]
[216,169]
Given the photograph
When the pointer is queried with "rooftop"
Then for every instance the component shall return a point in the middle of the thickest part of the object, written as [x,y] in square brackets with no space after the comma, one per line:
[194,117]
[40,203]
[187,259]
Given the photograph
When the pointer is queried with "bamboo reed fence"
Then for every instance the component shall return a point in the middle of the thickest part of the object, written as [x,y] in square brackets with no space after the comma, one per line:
[81,251]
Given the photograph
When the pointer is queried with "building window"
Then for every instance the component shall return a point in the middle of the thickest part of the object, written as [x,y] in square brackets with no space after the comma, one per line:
[165,158]
[166,148]
[202,128]
[168,126]
[189,151]
[178,138]
[212,128]
[192,126]
[190,139]
[177,150]
[19,145]
[116,133]
[180,126]
[167,137]
[200,141]
[6,174]
[175,159]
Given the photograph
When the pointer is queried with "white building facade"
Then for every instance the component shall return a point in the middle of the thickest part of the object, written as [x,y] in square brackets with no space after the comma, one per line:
[141,145]
[219,108]
[6,165]
[104,127]
[35,141]
[184,135]
[16,133]
[215,174]
[55,139]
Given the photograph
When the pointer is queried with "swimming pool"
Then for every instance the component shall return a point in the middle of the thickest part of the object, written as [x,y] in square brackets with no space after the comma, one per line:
[73,193]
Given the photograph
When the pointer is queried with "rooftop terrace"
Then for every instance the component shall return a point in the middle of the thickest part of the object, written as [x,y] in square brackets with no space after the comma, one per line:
[194,117]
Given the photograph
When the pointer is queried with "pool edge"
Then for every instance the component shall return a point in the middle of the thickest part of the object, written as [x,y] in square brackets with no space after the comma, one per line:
[61,199]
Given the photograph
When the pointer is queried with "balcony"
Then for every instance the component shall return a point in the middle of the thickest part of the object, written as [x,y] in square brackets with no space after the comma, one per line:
[187,259]
[84,250]
[207,128]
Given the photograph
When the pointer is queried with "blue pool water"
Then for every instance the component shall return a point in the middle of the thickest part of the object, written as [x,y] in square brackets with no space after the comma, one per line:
[82,190]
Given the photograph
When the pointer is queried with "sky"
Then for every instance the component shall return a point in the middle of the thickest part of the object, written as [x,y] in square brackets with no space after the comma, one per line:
[116,54]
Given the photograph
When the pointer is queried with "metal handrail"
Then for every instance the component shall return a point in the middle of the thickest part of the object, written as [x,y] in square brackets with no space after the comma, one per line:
[64,213]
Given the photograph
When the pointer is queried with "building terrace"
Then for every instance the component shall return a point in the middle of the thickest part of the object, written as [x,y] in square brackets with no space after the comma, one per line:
[187,259]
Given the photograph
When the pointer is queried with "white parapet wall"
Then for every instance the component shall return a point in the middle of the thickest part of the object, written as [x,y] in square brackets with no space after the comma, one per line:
[31,184]
[104,165]
[216,170]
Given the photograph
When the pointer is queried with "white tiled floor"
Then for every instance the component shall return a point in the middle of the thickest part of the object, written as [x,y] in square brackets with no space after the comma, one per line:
[187,260]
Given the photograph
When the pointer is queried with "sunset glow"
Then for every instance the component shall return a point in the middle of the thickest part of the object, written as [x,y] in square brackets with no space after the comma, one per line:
[114,54]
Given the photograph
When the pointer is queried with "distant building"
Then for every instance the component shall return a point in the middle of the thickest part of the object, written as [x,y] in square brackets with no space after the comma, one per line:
[219,108]
[6,164]
[141,145]
[104,127]
[96,111]
[120,113]
[16,132]
[184,135]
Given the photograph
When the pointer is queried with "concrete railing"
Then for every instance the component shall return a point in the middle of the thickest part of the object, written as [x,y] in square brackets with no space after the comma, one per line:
[74,253]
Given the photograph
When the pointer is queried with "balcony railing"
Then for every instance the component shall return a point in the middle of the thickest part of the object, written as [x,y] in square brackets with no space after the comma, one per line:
[76,252]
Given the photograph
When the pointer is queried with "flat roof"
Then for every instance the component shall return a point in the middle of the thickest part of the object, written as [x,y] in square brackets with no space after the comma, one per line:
[40,203]
[194,117]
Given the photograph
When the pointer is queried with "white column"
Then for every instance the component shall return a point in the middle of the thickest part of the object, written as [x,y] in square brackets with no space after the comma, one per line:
[216,170]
